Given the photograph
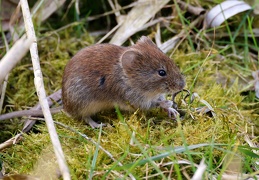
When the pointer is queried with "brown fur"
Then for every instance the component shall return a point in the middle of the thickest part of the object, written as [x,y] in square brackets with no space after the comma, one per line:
[103,75]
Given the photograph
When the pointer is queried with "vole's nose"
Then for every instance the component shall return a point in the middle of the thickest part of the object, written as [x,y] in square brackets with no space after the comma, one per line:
[180,83]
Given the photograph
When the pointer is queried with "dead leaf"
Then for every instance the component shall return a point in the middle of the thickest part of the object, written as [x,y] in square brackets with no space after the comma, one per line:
[137,18]
[225,10]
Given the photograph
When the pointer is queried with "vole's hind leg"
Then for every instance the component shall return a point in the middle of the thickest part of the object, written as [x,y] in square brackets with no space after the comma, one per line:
[92,123]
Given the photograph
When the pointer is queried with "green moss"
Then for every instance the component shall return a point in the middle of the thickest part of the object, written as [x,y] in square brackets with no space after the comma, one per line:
[216,79]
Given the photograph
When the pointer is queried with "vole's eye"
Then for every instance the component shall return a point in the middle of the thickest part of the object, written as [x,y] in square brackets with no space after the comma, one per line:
[161,72]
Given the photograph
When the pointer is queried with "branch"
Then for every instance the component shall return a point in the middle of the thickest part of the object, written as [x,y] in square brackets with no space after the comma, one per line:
[12,57]
[38,81]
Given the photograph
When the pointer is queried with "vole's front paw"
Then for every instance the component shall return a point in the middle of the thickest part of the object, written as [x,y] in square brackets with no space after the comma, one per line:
[172,113]
[167,106]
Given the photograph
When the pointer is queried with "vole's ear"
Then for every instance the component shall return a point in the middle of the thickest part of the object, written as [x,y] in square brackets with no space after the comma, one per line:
[145,40]
[129,57]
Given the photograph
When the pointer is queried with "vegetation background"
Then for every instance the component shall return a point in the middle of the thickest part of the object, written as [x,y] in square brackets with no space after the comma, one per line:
[219,127]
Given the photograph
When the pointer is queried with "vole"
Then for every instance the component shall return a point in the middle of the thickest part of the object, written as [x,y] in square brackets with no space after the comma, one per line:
[104,75]
[101,76]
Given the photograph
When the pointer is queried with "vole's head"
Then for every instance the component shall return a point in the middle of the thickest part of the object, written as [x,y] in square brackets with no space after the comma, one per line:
[149,70]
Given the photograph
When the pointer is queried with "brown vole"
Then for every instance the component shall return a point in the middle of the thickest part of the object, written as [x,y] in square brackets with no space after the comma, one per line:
[101,76]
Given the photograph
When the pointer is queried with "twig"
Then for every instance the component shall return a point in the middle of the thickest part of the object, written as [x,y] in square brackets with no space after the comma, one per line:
[30,112]
[171,43]
[115,8]
[3,90]
[153,22]
[91,18]
[4,85]
[38,80]
[56,97]
[12,57]
[200,170]
[158,35]
[11,141]
[109,33]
